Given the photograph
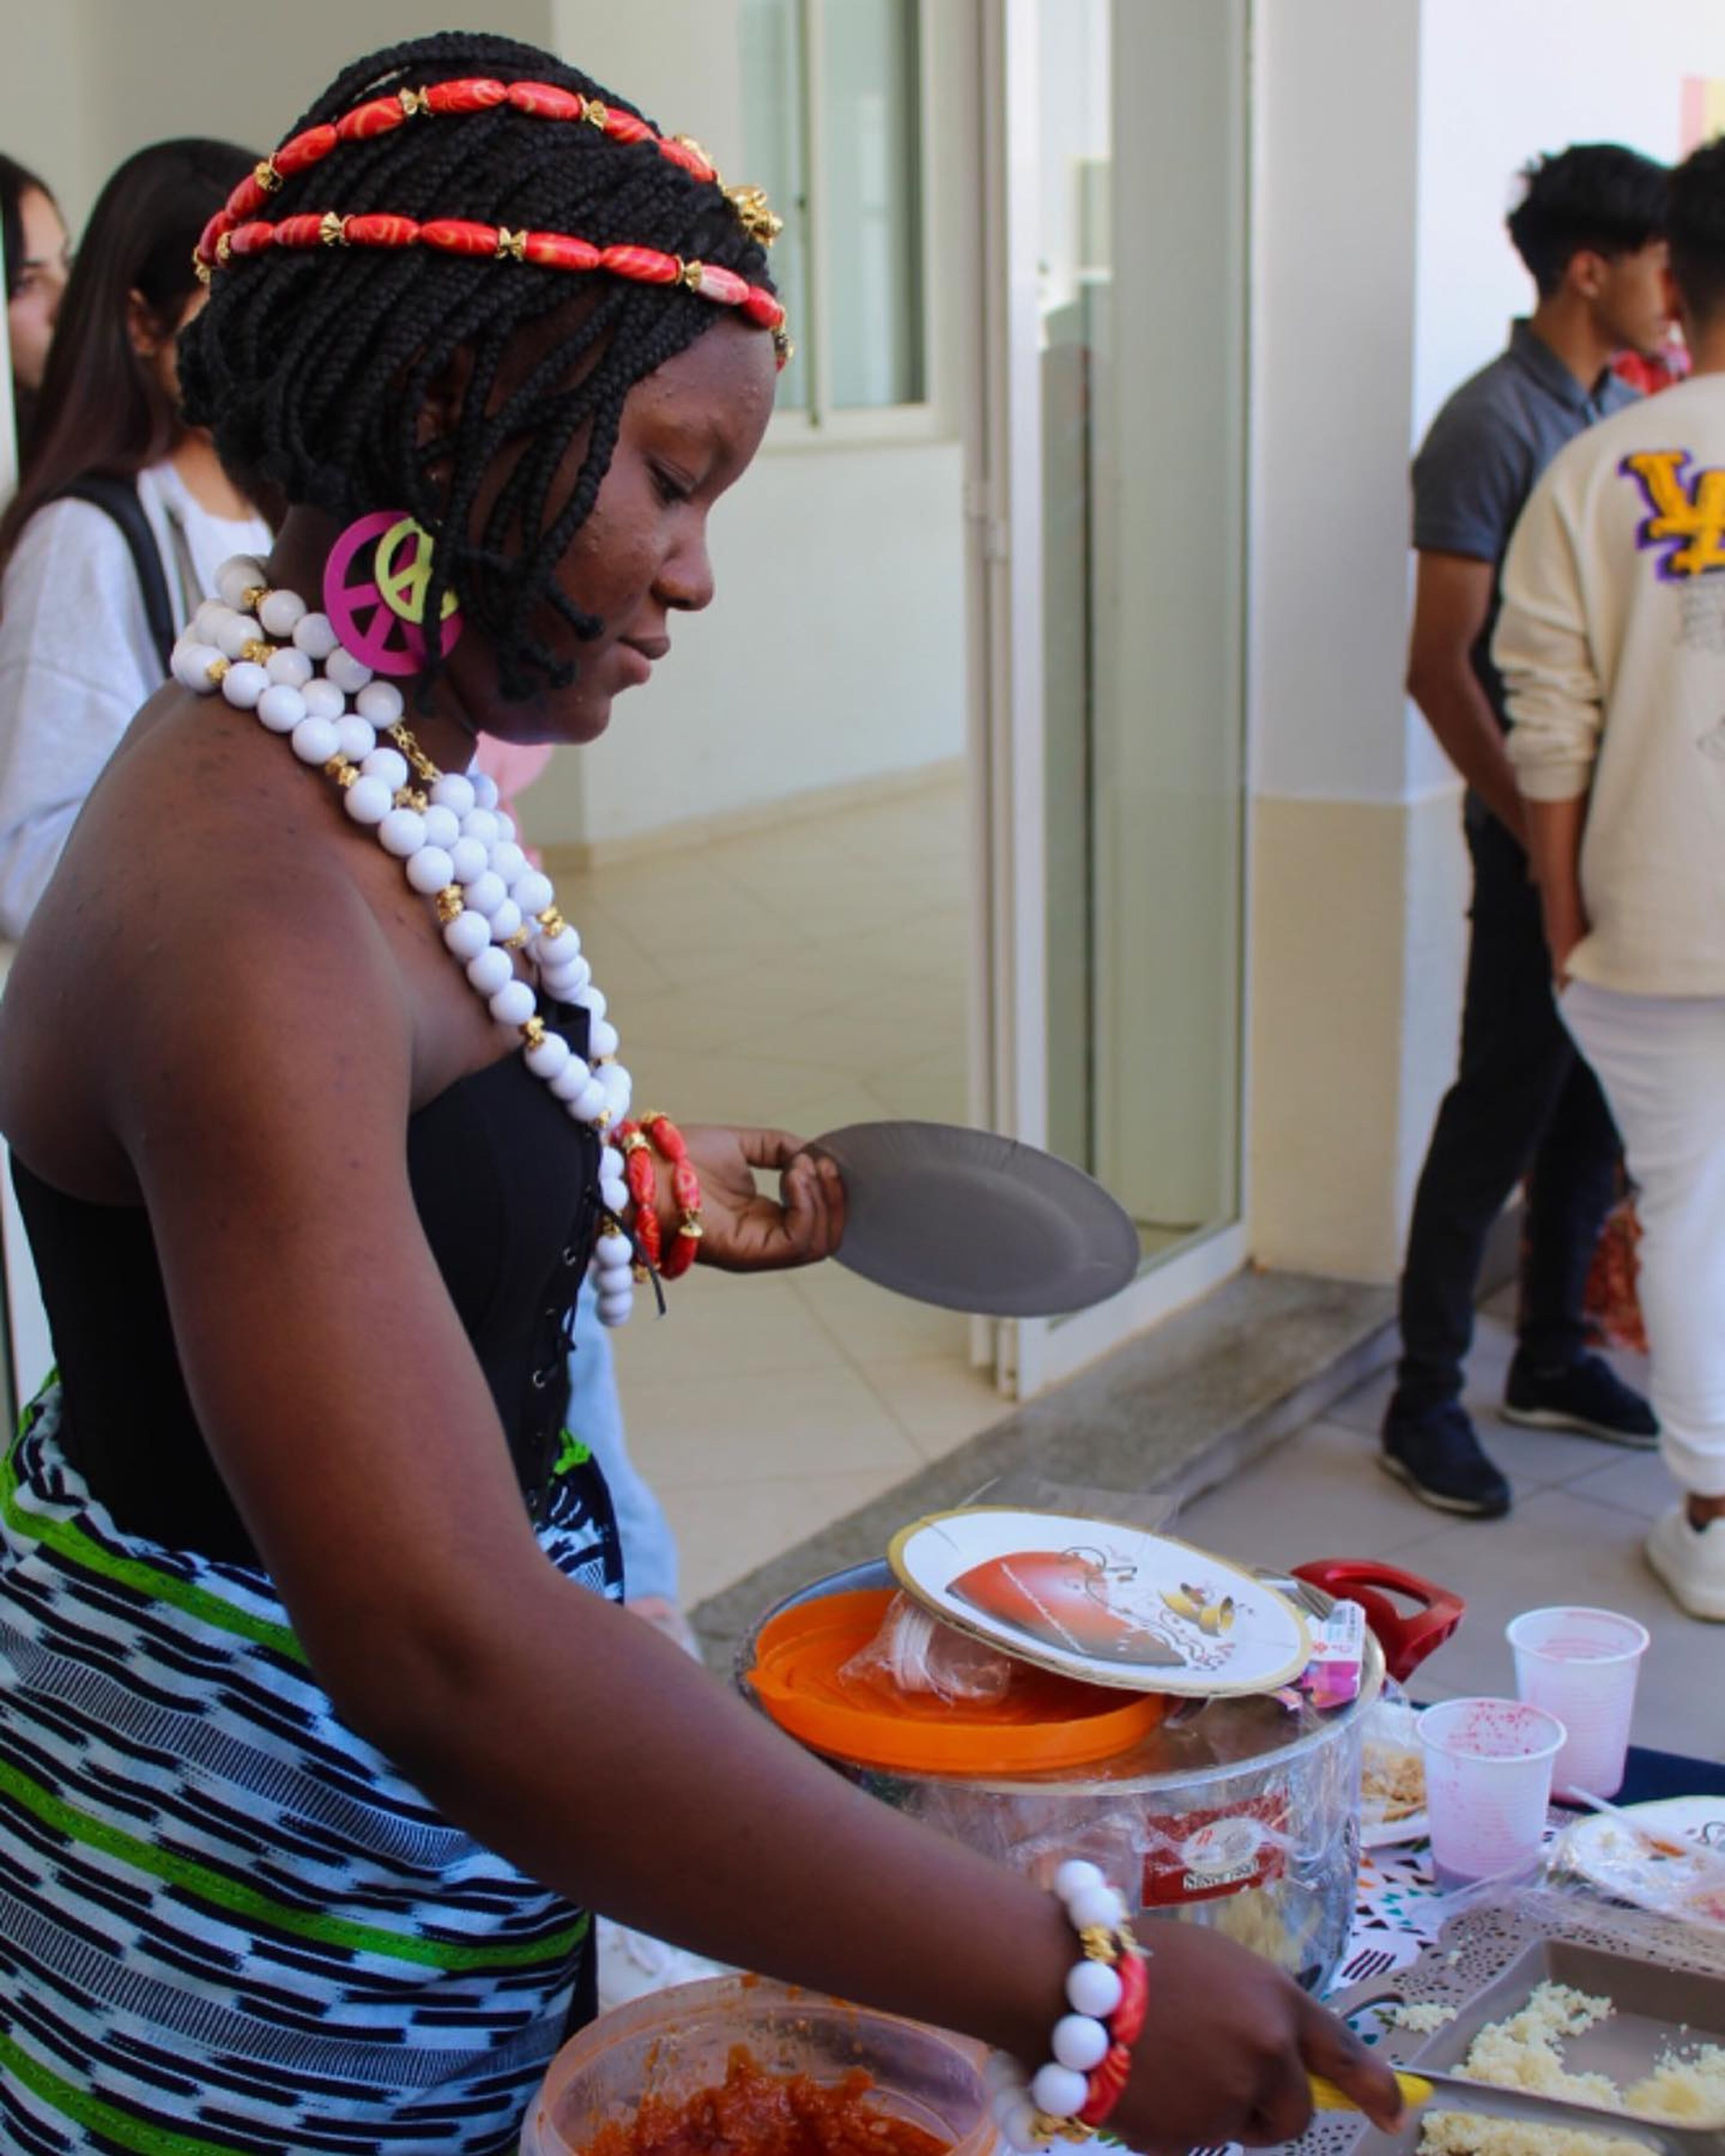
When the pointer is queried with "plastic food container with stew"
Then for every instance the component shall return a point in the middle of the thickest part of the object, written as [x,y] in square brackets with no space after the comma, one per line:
[672,2045]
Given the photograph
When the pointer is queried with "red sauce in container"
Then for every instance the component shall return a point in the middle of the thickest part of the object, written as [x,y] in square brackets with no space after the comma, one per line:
[753,2112]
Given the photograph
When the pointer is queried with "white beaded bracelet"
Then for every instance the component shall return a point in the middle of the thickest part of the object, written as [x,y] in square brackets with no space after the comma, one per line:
[1033,2111]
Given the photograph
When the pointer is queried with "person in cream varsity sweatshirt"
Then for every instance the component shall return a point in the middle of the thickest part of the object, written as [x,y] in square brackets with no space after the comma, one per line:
[1612,646]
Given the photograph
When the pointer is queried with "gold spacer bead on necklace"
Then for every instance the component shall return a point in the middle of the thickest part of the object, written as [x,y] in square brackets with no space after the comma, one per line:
[597,113]
[414,101]
[690,274]
[450,902]
[511,246]
[402,735]
[552,921]
[216,669]
[533,1032]
[410,796]
[1100,1943]
[252,596]
[343,770]
[266,175]
[333,231]
[259,652]
[522,938]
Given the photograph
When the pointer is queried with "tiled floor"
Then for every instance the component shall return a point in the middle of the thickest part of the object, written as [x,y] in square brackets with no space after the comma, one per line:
[1575,1535]
[809,977]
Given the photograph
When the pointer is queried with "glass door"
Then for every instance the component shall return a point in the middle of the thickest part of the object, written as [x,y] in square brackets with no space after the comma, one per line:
[1115,484]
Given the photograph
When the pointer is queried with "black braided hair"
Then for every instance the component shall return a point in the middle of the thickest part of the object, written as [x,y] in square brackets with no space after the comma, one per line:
[312,370]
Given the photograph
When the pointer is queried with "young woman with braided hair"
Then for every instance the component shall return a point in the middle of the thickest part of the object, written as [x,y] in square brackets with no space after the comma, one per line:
[316,1739]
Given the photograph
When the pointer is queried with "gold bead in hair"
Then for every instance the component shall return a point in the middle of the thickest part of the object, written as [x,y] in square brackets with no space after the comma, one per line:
[755,214]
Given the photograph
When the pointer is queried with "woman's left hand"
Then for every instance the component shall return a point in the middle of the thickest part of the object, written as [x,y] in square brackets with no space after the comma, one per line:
[743,1231]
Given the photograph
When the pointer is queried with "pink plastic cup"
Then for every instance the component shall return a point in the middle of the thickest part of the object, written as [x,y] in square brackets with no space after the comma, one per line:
[1581,1666]
[1488,1765]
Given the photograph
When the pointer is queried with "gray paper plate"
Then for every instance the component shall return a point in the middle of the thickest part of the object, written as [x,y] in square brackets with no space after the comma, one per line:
[975,1222]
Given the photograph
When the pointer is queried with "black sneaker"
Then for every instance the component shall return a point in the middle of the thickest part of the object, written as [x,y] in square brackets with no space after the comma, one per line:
[1438,1456]
[1589,1397]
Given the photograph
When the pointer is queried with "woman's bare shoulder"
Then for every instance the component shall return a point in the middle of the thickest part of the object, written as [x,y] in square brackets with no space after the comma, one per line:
[211,931]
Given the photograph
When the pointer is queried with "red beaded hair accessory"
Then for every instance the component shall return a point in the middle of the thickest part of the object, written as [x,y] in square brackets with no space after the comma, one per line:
[236,229]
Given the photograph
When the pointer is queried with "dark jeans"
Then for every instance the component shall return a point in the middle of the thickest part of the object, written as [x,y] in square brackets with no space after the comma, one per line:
[1522,1100]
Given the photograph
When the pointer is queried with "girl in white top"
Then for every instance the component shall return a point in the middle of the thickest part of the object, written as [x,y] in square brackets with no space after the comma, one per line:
[92,587]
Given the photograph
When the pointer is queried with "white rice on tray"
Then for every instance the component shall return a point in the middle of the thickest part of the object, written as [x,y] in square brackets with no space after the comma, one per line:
[1525,2052]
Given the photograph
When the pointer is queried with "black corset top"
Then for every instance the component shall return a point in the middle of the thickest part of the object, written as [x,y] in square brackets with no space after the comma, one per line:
[504,1182]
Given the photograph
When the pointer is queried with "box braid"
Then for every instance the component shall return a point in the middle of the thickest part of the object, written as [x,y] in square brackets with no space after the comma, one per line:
[312,369]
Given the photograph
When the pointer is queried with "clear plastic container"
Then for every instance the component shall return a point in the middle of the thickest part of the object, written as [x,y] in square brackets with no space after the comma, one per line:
[673,2044]
[1241,1816]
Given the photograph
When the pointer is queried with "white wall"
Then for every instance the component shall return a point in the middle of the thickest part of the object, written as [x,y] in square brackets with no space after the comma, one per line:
[86,82]
[1356,892]
[1498,86]
[835,651]
[1332,339]
[46,119]
[1496,89]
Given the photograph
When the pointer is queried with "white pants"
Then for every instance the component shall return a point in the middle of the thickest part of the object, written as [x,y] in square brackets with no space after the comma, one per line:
[1661,1061]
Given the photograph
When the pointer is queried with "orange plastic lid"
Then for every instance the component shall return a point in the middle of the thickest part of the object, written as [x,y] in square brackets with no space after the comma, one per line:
[1045,1722]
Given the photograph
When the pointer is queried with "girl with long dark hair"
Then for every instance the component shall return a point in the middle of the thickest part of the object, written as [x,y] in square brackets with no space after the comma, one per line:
[321,1727]
[37,256]
[124,513]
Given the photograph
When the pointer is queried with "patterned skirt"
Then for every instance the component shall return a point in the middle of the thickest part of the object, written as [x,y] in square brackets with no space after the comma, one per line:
[228,1926]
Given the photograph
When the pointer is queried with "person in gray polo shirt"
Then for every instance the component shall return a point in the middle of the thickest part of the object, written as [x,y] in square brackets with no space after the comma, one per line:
[1588,228]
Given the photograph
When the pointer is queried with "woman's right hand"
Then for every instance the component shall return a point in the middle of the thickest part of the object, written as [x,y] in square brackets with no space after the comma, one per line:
[1228,2044]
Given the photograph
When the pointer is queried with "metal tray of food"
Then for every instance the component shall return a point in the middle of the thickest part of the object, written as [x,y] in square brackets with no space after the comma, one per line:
[1667,1983]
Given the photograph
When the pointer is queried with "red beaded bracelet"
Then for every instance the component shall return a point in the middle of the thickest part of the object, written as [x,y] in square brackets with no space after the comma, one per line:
[685,1188]
[655,1132]
[642,1180]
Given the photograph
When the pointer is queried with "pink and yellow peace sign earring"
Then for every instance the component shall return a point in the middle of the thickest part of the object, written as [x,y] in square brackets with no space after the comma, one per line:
[375,586]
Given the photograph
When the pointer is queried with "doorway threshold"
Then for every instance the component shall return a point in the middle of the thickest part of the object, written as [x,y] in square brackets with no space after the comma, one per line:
[1179,1409]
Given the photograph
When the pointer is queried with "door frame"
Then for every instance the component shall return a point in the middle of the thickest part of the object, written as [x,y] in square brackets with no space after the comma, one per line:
[1002,498]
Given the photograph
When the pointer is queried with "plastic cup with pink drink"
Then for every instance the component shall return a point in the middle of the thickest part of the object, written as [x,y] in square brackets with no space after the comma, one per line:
[1581,1666]
[1488,1764]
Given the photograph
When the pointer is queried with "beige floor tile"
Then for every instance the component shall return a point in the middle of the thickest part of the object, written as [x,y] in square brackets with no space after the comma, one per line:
[718,1326]
[937,1401]
[836,1110]
[939,950]
[725,1530]
[811,977]
[928,1094]
[763,1430]
[736,1089]
[862,1037]
[702,1016]
[873,1325]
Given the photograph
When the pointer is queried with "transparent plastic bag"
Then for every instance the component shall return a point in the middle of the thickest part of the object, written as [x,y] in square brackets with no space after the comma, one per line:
[1392,1783]
[914,1652]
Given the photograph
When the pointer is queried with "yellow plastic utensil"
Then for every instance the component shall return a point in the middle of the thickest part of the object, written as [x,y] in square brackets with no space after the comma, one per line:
[1485,2100]
[1415,2092]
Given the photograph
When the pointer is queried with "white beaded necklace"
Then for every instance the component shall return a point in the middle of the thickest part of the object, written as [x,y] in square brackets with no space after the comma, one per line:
[457,847]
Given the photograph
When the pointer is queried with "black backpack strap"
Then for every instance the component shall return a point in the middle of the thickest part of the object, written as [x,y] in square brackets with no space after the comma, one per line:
[118,498]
